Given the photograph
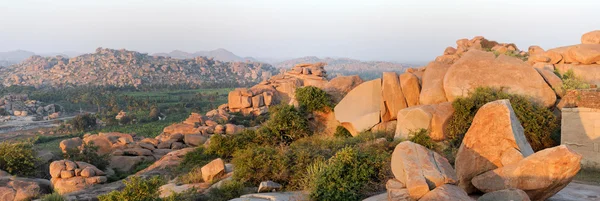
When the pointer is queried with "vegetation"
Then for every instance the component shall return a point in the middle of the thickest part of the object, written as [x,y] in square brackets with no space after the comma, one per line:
[541,126]
[348,175]
[340,131]
[136,189]
[192,164]
[18,158]
[312,99]
[88,154]
[53,197]
[260,163]
[570,81]
[421,136]
[515,54]
[83,122]
[286,124]
[228,190]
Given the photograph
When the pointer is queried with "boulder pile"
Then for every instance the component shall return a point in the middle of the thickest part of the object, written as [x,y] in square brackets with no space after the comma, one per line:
[18,188]
[69,176]
[19,105]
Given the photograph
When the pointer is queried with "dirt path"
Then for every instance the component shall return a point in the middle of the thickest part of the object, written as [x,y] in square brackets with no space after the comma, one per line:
[24,127]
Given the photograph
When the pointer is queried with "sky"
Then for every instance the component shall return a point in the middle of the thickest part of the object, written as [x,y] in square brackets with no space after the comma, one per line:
[389,30]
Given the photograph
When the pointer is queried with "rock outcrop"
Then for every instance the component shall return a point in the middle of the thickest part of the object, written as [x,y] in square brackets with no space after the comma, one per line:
[432,89]
[392,96]
[69,176]
[360,109]
[18,188]
[433,118]
[495,139]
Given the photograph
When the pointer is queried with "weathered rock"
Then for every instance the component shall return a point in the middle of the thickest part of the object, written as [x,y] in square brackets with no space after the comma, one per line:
[540,175]
[17,188]
[194,139]
[213,170]
[587,73]
[410,88]
[70,144]
[166,163]
[87,172]
[392,96]
[420,169]
[446,192]
[495,139]
[412,119]
[102,142]
[387,127]
[585,53]
[147,146]
[258,101]
[554,81]
[339,86]
[56,167]
[432,88]
[397,191]
[137,152]
[234,99]
[181,128]
[194,119]
[269,186]
[505,195]
[450,51]
[441,116]
[483,69]
[125,163]
[360,109]
[592,37]
[152,141]
[534,49]
[231,129]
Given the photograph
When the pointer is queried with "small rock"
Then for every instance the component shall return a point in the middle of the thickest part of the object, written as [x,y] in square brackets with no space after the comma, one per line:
[269,186]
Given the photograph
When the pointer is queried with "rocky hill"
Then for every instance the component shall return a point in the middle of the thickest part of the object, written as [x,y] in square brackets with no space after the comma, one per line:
[218,54]
[123,67]
[341,65]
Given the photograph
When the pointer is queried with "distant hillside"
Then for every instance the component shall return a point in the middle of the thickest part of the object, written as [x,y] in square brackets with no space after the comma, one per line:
[218,54]
[13,57]
[121,67]
[346,66]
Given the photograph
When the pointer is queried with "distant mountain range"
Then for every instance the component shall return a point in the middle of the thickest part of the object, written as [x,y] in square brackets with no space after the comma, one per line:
[109,67]
[218,54]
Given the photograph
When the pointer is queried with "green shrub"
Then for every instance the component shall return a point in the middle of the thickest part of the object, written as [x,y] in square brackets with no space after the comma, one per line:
[225,146]
[136,189]
[312,99]
[17,158]
[421,137]
[571,81]
[260,163]
[285,125]
[349,175]
[196,158]
[340,131]
[83,122]
[190,194]
[515,54]
[238,118]
[541,126]
[193,176]
[228,190]
[53,197]
[88,154]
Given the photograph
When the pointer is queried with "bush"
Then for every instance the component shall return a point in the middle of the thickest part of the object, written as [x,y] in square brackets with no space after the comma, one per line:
[83,122]
[137,189]
[349,175]
[285,125]
[53,197]
[88,154]
[17,158]
[154,113]
[421,137]
[541,126]
[571,81]
[225,146]
[196,158]
[228,190]
[260,163]
[312,99]
[340,131]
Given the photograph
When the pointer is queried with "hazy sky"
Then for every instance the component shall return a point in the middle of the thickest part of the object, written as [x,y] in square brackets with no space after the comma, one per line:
[395,30]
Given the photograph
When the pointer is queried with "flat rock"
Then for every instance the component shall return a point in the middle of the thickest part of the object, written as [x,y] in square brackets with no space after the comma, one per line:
[495,139]
[412,119]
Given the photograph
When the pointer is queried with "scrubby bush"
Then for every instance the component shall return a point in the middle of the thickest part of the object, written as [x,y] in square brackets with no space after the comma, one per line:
[88,154]
[225,146]
[53,197]
[238,118]
[541,126]
[349,175]
[196,158]
[286,124]
[340,131]
[228,190]
[571,81]
[421,136]
[312,99]
[260,163]
[154,113]
[137,189]
[17,158]
[83,122]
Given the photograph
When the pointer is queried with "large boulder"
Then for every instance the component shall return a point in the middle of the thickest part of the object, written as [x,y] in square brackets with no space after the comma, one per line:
[511,194]
[360,108]
[446,192]
[442,114]
[592,37]
[181,128]
[410,88]
[540,175]
[495,139]
[553,80]
[392,96]
[420,169]
[75,176]
[213,170]
[585,53]
[102,142]
[434,118]
[432,88]
[234,99]
[482,69]
[587,73]
[339,86]
[70,144]
[17,188]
